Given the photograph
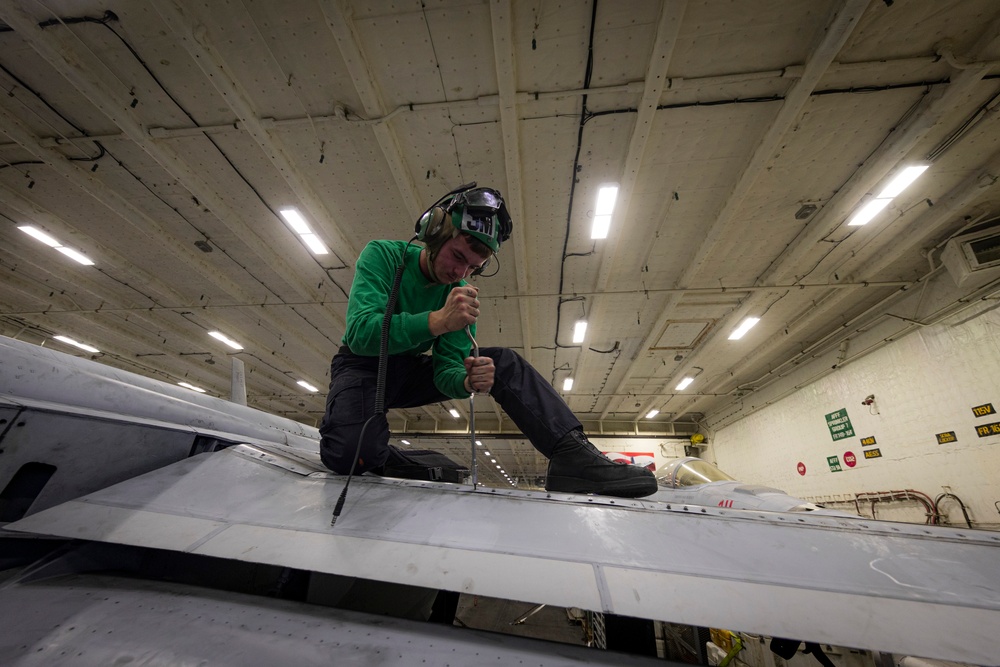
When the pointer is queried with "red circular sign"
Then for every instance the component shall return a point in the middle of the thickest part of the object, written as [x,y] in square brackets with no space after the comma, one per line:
[850,460]
[801,468]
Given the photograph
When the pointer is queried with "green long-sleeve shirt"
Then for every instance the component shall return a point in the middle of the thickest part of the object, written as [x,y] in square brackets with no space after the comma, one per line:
[409,331]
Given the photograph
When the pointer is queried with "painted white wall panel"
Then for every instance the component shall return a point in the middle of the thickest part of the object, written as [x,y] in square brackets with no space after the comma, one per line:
[924,384]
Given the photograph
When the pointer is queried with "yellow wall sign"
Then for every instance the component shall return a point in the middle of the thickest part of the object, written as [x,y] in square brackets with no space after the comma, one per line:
[983,410]
[873,453]
[986,430]
[868,442]
[947,437]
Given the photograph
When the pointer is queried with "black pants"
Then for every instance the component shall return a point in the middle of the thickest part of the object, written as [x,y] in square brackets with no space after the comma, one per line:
[531,403]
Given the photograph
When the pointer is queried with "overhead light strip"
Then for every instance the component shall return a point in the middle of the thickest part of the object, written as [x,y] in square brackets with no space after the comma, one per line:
[744,327]
[76,343]
[51,242]
[603,210]
[225,339]
[307,386]
[900,182]
[301,227]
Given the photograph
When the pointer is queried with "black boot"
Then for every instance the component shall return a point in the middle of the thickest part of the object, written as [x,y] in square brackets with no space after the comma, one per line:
[577,466]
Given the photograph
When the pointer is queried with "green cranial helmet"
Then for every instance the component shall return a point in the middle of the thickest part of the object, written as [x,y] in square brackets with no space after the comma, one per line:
[481,213]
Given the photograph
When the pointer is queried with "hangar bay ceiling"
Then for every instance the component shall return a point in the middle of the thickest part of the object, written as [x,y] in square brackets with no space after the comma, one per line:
[161,140]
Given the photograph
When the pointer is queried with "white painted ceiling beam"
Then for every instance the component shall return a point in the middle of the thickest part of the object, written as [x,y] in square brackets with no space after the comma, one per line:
[196,41]
[839,29]
[501,20]
[338,18]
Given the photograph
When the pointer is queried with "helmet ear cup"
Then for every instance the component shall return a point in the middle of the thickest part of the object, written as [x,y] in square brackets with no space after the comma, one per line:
[430,223]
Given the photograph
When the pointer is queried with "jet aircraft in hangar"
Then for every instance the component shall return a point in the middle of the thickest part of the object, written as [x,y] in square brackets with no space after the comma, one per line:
[695,481]
[147,520]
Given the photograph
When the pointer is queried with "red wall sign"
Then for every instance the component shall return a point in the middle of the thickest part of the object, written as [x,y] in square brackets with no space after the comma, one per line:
[801,467]
[850,459]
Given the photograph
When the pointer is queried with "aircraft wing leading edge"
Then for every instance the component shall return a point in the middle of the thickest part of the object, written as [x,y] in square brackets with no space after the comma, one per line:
[913,590]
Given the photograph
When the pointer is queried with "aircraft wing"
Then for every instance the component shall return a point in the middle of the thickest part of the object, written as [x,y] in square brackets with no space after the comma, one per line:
[912,590]
[99,619]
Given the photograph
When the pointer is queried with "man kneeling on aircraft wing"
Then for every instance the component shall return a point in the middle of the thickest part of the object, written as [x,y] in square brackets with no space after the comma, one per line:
[434,305]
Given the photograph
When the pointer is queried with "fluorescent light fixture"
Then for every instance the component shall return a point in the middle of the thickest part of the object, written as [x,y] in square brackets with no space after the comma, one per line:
[868,211]
[301,227]
[684,384]
[479,443]
[82,346]
[454,413]
[487,454]
[192,387]
[744,327]
[601,227]
[567,384]
[498,468]
[74,254]
[405,442]
[313,243]
[308,387]
[652,413]
[225,339]
[606,196]
[902,180]
[493,461]
[295,220]
[36,233]
[579,331]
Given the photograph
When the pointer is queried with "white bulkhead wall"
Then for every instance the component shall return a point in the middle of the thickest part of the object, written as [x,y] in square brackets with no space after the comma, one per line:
[924,384]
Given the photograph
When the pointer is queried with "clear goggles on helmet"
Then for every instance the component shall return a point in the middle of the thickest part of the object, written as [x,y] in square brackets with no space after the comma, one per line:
[481,198]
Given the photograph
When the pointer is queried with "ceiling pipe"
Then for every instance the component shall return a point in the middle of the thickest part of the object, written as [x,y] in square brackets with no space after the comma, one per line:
[340,114]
